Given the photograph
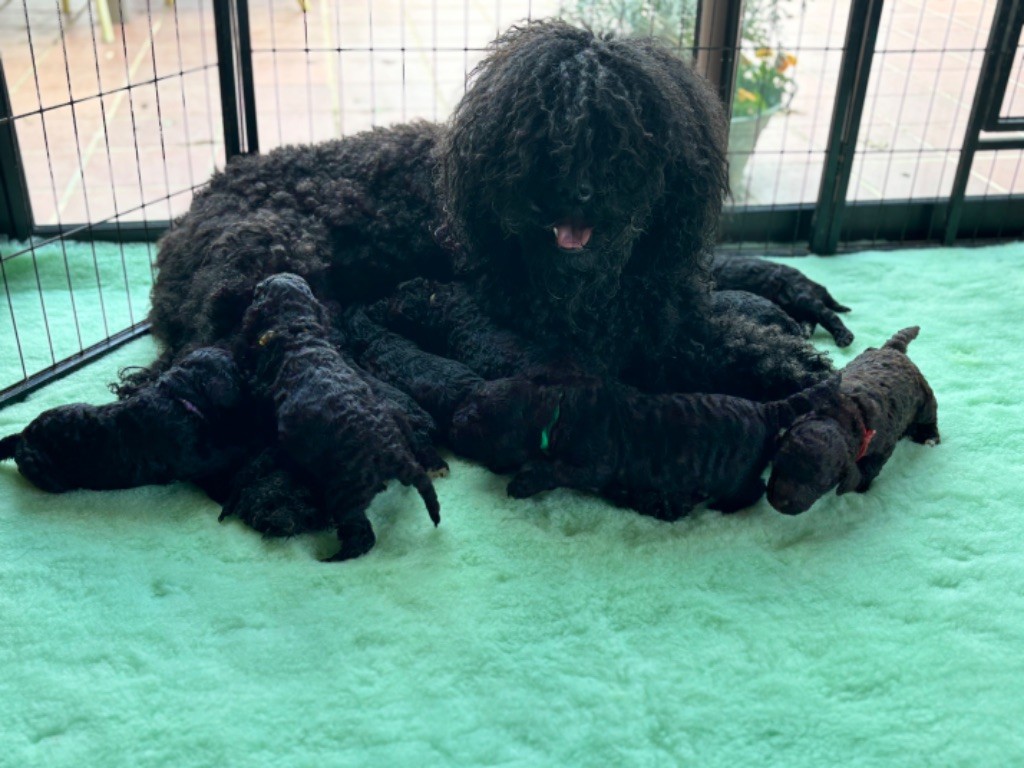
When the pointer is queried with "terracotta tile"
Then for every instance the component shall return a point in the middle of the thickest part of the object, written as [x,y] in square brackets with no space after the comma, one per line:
[1002,172]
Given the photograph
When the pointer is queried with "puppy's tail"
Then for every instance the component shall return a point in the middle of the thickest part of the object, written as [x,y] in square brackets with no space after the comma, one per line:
[780,414]
[902,339]
[8,446]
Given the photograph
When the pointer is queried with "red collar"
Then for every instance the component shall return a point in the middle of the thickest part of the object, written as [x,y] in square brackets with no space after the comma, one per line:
[865,441]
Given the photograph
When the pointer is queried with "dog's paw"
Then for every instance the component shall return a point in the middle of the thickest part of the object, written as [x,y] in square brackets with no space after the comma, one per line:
[357,538]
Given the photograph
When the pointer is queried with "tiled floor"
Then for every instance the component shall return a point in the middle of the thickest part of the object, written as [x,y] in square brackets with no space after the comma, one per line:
[127,129]
[923,80]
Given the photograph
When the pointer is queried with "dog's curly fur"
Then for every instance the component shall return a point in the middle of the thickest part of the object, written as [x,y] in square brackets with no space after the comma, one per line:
[347,439]
[439,384]
[191,423]
[802,299]
[757,308]
[659,454]
[445,319]
[618,137]
[883,398]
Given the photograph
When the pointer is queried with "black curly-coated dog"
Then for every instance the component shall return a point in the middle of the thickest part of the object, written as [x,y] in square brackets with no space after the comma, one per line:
[347,439]
[446,387]
[445,319]
[883,398]
[659,454]
[574,194]
[194,422]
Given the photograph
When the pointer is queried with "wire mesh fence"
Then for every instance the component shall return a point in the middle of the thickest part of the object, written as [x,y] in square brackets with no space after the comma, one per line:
[107,129]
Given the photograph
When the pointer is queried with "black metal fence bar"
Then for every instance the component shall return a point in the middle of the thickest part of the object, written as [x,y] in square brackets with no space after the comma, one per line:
[904,222]
[1006,27]
[861,38]
[110,229]
[234,65]
[716,44]
[15,206]
[231,115]
[995,71]
[246,79]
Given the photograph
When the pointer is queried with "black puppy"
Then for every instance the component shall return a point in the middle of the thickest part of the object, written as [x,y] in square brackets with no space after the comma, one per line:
[192,423]
[659,454]
[802,299]
[345,439]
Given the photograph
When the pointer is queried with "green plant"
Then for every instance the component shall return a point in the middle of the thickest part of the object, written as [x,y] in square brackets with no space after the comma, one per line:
[763,81]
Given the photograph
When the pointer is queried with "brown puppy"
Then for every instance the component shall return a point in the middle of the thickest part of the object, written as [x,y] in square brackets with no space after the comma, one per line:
[883,398]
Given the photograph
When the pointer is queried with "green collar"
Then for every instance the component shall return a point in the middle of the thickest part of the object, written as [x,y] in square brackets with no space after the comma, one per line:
[545,434]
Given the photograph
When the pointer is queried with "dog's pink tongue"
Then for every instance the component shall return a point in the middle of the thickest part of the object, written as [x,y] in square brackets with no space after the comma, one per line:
[571,236]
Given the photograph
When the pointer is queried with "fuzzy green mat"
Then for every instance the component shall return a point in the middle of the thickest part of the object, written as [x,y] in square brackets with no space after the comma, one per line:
[877,629]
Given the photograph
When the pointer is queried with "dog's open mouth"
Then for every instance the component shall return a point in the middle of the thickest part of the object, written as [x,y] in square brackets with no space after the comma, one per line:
[572,234]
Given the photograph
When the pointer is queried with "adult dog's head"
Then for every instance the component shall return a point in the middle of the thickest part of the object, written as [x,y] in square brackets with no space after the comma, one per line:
[575,162]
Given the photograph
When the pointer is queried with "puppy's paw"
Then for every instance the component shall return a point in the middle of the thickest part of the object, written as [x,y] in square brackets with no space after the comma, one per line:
[439,472]
[531,480]
[357,538]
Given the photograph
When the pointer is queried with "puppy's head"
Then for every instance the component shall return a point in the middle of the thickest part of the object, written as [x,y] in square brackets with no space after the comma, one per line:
[281,303]
[813,457]
[208,378]
[418,302]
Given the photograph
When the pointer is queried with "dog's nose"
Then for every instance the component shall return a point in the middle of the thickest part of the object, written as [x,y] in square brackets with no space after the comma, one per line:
[584,192]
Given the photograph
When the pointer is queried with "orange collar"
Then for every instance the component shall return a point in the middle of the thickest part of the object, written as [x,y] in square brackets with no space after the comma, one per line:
[865,441]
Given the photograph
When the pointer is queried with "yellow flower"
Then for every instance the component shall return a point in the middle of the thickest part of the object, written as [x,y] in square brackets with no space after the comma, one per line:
[763,53]
[786,61]
[742,94]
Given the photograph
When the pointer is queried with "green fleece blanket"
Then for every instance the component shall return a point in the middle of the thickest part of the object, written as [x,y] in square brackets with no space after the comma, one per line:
[876,629]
